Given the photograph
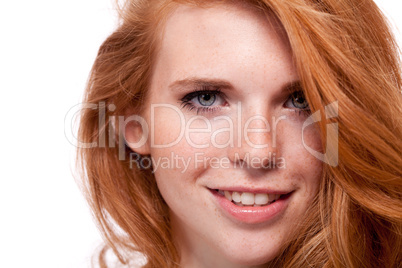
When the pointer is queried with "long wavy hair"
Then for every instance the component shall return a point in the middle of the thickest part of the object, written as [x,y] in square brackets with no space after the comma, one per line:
[344,51]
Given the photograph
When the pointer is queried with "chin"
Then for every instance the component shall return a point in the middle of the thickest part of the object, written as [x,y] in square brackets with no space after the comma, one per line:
[252,257]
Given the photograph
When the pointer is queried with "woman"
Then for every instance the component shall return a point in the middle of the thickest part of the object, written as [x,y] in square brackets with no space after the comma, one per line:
[247,134]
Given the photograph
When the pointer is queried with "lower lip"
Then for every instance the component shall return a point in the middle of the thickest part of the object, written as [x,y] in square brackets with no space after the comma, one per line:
[252,215]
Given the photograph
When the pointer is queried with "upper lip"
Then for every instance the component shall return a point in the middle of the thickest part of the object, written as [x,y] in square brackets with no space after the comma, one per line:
[266,190]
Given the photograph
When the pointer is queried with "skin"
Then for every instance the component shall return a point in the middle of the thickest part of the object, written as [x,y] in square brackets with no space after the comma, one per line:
[251,54]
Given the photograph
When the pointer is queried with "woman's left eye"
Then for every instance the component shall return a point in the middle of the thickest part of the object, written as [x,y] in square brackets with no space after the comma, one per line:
[297,100]
[203,100]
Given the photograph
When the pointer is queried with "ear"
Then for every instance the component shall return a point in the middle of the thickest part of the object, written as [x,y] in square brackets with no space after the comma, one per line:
[136,131]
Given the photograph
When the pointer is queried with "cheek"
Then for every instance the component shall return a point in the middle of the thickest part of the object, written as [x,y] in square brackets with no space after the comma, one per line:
[312,174]
[178,166]
[312,166]
[177,182]
[187,143]
[312,139]
[166,126]
[296,146]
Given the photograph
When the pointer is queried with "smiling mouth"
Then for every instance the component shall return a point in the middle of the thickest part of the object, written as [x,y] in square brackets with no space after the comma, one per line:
[244,199]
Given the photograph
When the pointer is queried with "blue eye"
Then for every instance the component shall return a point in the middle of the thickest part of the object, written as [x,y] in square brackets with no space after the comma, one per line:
[203,100]
[206,99]
[297,100]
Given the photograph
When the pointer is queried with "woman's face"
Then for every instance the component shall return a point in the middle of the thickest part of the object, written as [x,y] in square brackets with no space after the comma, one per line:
[225,114]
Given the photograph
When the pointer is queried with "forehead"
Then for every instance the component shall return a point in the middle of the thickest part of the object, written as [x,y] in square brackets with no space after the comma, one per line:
[213,41]
[218,25]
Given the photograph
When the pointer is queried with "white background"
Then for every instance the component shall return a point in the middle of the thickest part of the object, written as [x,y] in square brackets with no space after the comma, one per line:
[46,52]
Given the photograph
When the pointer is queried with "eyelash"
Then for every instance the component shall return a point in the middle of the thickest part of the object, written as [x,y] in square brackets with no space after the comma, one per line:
[186,101]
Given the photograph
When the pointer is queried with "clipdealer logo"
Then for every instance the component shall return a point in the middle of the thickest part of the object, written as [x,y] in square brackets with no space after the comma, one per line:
[117,124]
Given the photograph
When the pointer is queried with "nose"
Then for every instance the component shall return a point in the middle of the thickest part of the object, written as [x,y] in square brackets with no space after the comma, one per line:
[256,145]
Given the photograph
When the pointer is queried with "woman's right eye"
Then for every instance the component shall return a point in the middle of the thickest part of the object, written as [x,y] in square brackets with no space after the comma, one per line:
[203,100]
[206,99]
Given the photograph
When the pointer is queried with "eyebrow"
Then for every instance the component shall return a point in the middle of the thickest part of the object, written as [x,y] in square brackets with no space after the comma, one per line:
[293,86]
[200,82]
[196,82]
[288,89]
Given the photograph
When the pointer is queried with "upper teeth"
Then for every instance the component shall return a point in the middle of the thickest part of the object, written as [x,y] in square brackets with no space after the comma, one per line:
[249,199]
